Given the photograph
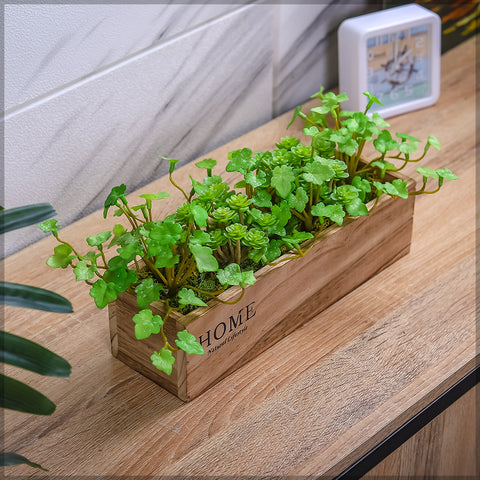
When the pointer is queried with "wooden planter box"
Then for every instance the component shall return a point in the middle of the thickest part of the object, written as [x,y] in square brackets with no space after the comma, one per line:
[284,297]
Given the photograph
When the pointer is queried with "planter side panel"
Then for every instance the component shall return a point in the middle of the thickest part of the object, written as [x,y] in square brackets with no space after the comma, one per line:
[136,353]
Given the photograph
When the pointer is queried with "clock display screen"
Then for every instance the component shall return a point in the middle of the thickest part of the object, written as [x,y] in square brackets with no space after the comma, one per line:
[398,65]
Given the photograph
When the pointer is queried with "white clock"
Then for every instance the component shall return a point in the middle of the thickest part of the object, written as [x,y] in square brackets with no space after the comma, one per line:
[395,55]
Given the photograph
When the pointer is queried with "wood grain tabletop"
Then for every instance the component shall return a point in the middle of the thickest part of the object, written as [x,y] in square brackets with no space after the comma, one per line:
[313,403]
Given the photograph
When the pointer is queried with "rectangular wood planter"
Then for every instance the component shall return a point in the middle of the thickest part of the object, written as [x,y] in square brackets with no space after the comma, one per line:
[284,297]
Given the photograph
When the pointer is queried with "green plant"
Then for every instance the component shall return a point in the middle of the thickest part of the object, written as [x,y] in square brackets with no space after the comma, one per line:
[23,353]
[220,235]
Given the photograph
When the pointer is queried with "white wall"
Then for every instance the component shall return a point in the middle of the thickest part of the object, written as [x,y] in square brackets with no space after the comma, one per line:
[95,94]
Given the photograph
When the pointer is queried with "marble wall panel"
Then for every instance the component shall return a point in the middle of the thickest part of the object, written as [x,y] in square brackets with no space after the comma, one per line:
[49,46]
[306,48]
[179,99]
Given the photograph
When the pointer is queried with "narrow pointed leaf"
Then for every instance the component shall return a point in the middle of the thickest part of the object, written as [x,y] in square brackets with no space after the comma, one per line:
[36,298]
[23,353]
[19,217]
[15,395]
[8,459]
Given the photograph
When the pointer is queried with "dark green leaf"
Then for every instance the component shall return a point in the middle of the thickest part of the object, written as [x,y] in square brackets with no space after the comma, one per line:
[19,217]
[262,199]
[17,295]
[8,459]
[17,396]
[130,251]
[23,353]
[164,255]
[273,250]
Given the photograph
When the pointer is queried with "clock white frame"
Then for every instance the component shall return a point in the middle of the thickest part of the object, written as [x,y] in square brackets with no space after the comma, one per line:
[352,54]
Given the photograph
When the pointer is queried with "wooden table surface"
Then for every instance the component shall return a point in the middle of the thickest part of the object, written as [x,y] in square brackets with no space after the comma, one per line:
[313,403]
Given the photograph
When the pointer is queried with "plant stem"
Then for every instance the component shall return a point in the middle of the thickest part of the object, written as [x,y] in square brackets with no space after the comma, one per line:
[421,192]
[204,292]
[178,187]
[233,302]
[238,252]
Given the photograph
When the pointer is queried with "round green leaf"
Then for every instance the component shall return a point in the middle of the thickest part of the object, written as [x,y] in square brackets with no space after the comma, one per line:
[98,240]
[163,360]
[61,257]
[207,163]
[50,226]
[188,297]
[103,293]
[188,343]
[146,324]
[84,271]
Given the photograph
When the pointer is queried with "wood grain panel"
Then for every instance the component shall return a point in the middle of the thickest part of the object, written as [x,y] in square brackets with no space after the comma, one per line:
[445,447]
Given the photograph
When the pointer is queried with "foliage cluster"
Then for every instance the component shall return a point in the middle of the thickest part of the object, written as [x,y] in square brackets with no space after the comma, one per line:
[221,234]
